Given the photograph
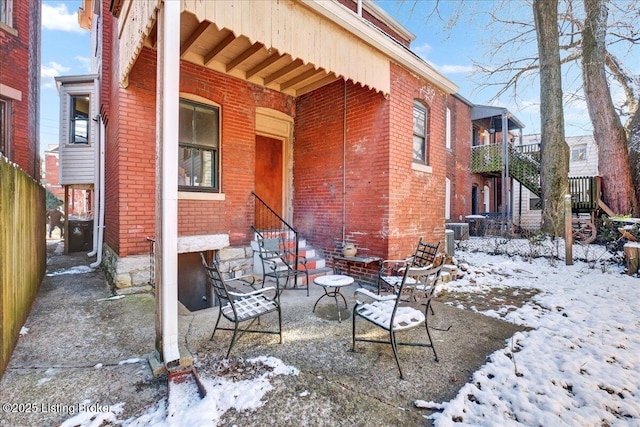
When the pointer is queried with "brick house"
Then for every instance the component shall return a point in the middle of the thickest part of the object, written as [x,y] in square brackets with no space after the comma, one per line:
[20,83]
[319,108]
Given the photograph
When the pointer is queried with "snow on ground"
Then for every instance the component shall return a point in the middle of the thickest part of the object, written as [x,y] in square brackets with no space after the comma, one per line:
[577,366]
[80,269]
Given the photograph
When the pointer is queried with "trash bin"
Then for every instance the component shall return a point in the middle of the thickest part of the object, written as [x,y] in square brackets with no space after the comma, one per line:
[80,235]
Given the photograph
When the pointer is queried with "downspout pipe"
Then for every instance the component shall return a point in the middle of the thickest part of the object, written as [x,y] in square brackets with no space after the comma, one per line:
[100,227]
[170,63]
[95,100]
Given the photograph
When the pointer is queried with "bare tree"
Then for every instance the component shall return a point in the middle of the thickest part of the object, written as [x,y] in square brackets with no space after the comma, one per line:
[510,65]
[554,151]
[613,153]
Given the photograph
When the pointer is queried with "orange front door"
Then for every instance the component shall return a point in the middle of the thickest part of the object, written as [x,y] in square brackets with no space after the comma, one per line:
[269,178]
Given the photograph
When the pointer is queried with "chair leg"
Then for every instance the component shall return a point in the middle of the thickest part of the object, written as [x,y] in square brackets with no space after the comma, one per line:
[217,321]
[426,326]
[353,329]
[394,346]
[233,339]
[280,324]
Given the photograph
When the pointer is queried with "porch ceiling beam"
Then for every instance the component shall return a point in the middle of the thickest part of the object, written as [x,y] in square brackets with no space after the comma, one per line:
[252,50]
[193,37]
[300,78]
[264,64]
[283,71]
[210,56]
[317,84]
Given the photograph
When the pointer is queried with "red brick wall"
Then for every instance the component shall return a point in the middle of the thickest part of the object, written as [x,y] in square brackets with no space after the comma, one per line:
[416,199]
[318,167]
[51,181]
[389,206]
[459,159]
[131,156]
[20,70]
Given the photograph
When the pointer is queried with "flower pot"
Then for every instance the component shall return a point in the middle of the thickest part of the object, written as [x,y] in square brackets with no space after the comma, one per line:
[349,249]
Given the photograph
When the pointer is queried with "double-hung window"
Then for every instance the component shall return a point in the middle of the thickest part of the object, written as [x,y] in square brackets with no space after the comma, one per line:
[199,145]
[79,119]
[420,134]
[6,12]
[4,127]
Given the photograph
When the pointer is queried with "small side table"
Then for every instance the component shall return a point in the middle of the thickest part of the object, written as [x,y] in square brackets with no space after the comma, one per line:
[335,281]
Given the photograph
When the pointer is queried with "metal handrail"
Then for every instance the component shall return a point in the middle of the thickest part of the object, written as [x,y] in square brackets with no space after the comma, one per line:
[268,224]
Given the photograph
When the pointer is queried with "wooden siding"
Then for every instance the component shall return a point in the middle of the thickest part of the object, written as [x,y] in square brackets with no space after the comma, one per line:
[286,26]
[77,161]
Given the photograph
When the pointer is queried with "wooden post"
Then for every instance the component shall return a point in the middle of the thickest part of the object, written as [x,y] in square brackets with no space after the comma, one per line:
[568,231]
[631,257]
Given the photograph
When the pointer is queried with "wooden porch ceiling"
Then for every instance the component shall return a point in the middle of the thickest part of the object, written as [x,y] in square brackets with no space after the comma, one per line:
[203,43]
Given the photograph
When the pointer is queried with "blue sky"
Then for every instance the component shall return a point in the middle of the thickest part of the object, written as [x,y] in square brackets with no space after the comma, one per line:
[66,51]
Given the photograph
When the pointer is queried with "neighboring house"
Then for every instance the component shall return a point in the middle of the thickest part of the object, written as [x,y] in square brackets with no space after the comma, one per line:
[20,83]
[50,172]
[492,179]
[583,162]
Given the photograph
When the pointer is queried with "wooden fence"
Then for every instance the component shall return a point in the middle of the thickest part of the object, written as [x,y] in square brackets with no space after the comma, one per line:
[23,254]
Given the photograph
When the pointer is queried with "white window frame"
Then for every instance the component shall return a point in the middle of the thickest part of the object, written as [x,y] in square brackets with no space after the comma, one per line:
[420,158]
[447,198]
[194,190]
[72,121]
[5,127]
[448,130]
[6,13]
[576,152]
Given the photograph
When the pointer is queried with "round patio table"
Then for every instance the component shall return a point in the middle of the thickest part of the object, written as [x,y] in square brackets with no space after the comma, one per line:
[335,281]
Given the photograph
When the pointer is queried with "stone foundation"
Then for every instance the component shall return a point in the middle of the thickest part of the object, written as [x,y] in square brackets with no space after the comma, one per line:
[130,275]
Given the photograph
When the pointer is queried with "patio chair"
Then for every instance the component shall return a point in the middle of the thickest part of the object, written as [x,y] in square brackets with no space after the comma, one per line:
[392,270]
[395,314]
[240,306]
[281,264]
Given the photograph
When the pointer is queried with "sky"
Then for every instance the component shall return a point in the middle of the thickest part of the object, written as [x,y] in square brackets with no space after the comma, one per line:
[577,366]
[66,51]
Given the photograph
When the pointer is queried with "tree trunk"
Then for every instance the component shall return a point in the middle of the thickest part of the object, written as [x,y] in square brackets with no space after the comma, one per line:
[634,151]
[554,150]
[613,154]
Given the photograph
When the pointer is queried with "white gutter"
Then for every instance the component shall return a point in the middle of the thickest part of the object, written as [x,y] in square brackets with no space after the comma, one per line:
[95,100]
[100,227]
[170,91]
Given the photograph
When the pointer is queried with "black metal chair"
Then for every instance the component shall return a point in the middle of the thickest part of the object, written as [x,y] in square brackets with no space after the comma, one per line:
[392,270]
[238,306]
[425,253]
[280,263]
[395,314]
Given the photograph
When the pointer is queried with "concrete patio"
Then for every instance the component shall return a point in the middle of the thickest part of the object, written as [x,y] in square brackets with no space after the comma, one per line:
[83,349]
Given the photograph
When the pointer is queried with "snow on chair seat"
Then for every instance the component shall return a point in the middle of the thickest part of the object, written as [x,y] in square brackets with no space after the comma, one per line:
[238,307]
[394,314]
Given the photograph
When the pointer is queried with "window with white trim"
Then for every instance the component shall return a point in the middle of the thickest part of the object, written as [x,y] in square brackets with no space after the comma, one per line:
[448,130]
[447,198]
[6,12]
[420,132]
[199,146]
[579,153]
[80,108]
[4,126]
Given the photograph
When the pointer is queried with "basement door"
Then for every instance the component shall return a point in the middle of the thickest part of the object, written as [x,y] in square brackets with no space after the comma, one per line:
[269,179]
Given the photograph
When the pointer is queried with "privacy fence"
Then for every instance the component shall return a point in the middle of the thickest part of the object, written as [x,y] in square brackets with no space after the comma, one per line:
[23,255]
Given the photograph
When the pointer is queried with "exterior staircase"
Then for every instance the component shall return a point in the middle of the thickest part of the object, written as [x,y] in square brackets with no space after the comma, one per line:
[524,167]
[316,265]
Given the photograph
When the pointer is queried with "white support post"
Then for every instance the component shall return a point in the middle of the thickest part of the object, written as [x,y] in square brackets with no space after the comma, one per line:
[168,98]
